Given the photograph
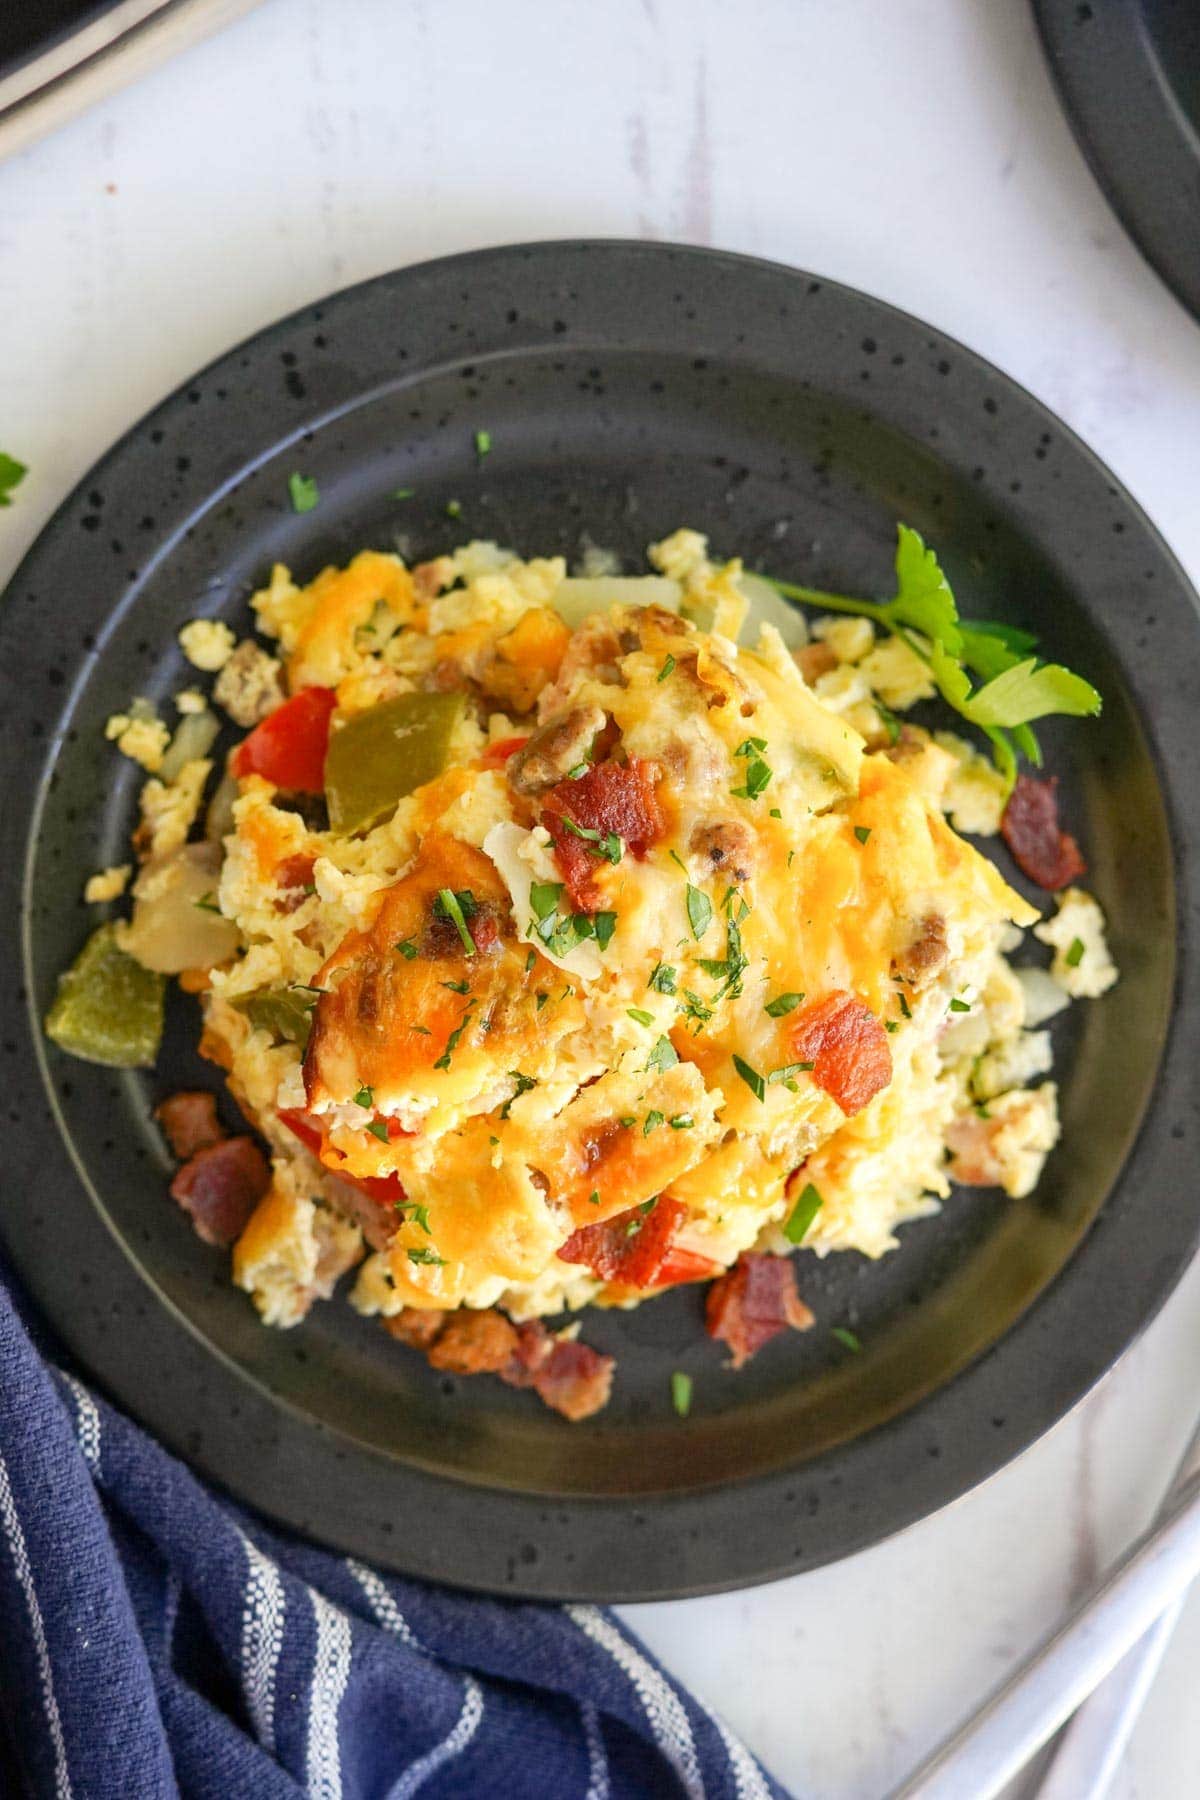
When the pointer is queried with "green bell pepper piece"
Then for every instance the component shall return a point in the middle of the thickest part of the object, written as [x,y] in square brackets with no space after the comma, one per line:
[380,755]
[108,1009]
[284,1012]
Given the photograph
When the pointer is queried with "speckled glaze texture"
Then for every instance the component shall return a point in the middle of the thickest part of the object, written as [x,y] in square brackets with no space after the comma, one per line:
[1129,77]
[627,388]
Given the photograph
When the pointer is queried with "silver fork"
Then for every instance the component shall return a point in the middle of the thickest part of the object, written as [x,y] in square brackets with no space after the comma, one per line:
[1101,1661]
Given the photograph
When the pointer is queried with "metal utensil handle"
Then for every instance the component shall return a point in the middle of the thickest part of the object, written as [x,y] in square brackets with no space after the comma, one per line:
[993,1746]
[1094,1742]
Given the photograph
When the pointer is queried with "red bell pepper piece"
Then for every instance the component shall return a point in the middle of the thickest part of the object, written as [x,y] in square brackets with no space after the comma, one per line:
[288,748]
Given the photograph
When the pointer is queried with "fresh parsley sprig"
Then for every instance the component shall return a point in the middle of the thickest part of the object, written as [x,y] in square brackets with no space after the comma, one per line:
[1014,686]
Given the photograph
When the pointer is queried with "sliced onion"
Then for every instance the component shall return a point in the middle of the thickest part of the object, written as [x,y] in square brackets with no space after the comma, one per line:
[768,607]
[193,739]
[576,598]
[1043,996]
[218,820]
[173,925]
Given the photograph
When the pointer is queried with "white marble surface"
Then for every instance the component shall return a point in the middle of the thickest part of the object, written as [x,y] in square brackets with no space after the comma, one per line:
[913,148]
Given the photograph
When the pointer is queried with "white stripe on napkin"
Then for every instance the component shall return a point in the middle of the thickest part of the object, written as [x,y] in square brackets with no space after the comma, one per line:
[20,1556]
[418,1773]
[387,1613]
[661,1704]
[598,1784]
[331,1672]
[262,1640]
[87,1422]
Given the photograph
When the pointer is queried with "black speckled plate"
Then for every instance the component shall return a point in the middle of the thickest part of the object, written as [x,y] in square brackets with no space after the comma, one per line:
[1128,73]
[627,388]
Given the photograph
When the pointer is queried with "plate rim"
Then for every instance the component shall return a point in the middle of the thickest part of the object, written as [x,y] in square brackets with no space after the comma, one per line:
[117,1379]
[1080,66]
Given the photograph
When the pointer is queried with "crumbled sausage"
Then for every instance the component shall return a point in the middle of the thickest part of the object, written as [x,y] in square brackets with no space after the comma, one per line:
[927,954]
[727,847]
[554,749]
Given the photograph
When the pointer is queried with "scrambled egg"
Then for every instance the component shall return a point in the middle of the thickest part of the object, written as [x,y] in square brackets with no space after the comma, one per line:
[662,921]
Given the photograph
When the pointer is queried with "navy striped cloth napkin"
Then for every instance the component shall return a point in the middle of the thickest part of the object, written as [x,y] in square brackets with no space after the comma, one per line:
[157,1640]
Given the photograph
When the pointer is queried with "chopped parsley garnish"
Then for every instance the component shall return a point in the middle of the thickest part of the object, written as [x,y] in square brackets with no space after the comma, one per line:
[601,843]
[378,1128]
[207,903]
[303,492]
[604,924]
[640,1015]
[530,960]
[699,911]
[891,1025]
[544,897]
[454,509]
[364,1096]
[694,1008]
[758,776]
[782,1005]
[653,1121]
[524,1083]
[668,665]
[483,442]
[751,1077]
[664,1056]
[579,769]
[846,1338]
[403,493]
[457,987]
[540,1000]
[802,1215]
[750,746]
[452,1042]
[681,1122]
[420,1214]
[458,908]
[1014,687]
[12,474]
[957,1005]
[775,813]
[786,1073]
[681,1392]
[406,947]
[627,1121]
[905,1008]
[1074,954]
[425,1255]
[862,833]
[662,979]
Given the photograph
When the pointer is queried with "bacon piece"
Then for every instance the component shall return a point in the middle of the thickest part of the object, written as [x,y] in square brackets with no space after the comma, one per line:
[292,876]
[1041,848]
[574,1380]
[416,1326]
[219,1187]
[190,1121]
[474,1343]
[612,796]
[631,1248]
[847,1046]
[754,1303]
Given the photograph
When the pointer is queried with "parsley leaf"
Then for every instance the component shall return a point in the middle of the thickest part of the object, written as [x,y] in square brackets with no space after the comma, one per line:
[699,911]
[378,1128]
[664,1056]
[544,897]
[604,924]
[303,491]
[458,908]
[782,1005]
[802,1215]
[406,947]
[425,1255]
[668,665]
[846,1338]
[662,980]
[653,1121]
[1074,954]
[364,1096]
[524,1084]
[751,1077]
[483,442]
[452,1042]
[639,1015]
[1016,687]
[12,474]
[862,833]
[681,1392]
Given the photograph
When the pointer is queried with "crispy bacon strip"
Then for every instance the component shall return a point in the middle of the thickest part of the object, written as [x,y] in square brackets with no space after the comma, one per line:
[1041,848]
[612,796]
[220,1186]
[847,1046]
[189,1120]
[630,1248]
[753,1304]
